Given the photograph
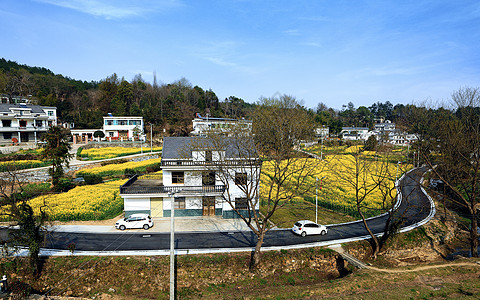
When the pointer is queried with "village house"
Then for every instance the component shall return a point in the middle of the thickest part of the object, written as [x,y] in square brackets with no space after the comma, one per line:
[114,128]
[205,181]
[354,133]
[22,122]
[204,125]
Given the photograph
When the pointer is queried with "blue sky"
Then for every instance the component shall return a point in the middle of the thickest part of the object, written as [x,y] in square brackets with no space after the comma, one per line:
[318,51]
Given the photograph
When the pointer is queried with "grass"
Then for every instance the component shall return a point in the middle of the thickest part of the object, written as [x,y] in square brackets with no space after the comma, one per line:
[304,210]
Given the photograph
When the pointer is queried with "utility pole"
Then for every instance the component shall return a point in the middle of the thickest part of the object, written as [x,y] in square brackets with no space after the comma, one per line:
[172,245]
[151,138]
[316,201]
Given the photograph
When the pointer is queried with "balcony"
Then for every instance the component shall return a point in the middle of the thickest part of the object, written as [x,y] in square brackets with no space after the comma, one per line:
[23,128]
[230,162]
[148,184]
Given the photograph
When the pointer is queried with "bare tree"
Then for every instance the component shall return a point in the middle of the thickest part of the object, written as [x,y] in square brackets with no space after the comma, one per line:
[449,143]
[365,176]
[14,207]
[262,172]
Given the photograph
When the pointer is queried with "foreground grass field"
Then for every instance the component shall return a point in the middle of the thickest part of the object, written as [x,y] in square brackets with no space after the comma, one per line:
[313,273]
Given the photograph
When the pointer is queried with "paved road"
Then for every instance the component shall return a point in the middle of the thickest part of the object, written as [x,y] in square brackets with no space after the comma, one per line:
[414,208]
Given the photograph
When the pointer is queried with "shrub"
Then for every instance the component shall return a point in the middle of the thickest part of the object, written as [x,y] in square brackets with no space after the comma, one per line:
[92,178]
[129,172]
[154,168]
[79,152]
[64,185]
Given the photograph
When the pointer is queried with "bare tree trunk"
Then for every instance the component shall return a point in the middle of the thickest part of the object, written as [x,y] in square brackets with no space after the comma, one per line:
[375,244]
[474,235]
[255,261]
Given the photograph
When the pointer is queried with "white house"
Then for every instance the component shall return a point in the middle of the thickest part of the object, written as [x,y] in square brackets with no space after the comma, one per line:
[23,122]
[322,132]
[114,128]
[401,138]
[203,125]
[206,181]
[123,128]
[354,133]
[385,126]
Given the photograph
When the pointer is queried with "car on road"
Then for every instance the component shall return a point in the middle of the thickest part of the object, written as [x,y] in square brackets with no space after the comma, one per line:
[135,221]
[306,227]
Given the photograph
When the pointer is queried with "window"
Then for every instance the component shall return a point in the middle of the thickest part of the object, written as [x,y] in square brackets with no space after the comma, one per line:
[6,123]
[180,203]
[7,135]
[241,203]
[178,177]
[38,123]
[50,113]
[108,122]
[241,178]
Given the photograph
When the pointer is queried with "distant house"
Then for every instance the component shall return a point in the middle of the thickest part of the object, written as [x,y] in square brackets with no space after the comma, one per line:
[322,132]
[401,138]
[23,122]
[204,125]
[354,133]
[114,128]
[385,126]
[191,169]
[123,128]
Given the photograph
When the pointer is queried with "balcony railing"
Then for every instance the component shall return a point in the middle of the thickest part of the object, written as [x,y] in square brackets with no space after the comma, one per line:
[23,128]
[130,188]
[243,162]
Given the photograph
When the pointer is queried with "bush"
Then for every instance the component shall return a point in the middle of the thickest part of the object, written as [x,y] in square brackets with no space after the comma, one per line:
[79,152]
[92,178]
[64,185]
[129,172]
[154,168]
[34,189]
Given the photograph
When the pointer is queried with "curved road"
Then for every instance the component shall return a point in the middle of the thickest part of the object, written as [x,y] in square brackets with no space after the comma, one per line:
[414,210]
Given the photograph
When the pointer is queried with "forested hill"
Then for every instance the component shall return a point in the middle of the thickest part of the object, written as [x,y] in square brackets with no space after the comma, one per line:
[167,106]
[171,106]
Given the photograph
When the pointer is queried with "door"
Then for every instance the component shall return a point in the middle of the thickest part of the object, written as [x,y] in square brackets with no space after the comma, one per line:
[24,136]
[208,205]
[156,207]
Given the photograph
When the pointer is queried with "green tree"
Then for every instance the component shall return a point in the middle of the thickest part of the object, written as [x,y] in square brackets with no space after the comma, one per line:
[56,150]
[371,143]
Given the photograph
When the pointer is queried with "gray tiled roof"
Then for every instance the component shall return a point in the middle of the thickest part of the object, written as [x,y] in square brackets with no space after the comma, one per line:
[181,147]
[36,109]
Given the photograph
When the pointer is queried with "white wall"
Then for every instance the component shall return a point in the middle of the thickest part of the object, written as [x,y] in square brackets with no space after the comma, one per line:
[131,203]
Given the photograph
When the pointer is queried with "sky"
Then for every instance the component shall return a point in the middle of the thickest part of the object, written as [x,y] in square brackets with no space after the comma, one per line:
[330,51]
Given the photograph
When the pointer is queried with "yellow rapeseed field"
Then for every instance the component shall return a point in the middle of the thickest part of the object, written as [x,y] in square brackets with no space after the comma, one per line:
[334,173]
[21,164]
[116,169]
[88,202]
[111,152]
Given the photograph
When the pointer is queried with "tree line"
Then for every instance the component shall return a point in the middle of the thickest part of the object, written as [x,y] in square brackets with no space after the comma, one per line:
[167,106]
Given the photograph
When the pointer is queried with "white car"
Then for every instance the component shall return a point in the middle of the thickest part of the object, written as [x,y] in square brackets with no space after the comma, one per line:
[306,227]
[135,221]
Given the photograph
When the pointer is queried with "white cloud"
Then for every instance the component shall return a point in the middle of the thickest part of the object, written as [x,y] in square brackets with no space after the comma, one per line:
[292,32]
[113,9]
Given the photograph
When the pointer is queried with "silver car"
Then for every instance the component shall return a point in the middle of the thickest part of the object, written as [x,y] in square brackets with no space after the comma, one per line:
[306,227]
[135,221]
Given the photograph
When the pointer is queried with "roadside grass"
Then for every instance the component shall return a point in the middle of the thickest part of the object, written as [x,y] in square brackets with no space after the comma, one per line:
[288,274]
